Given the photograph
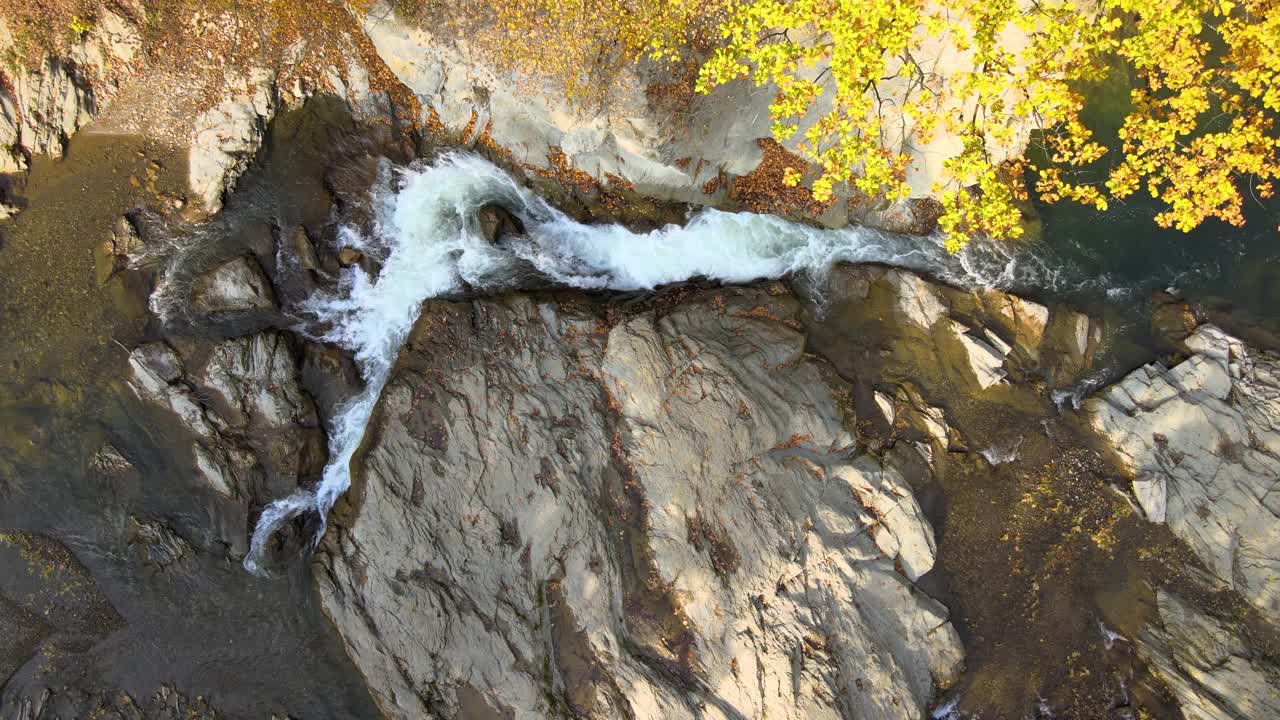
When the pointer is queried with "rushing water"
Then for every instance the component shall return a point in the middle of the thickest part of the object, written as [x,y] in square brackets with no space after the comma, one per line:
[428,240]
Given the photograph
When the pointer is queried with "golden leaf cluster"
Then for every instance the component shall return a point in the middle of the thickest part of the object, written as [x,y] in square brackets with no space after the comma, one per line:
[1201,126]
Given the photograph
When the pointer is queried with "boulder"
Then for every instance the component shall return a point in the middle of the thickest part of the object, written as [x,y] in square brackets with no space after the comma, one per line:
[1201,441]
[1172,319]
[1021,319]
[654,519]
[918,301]
[155,377]
[250,389]
[330,376]
[1070,341]
[349,256]
[234,286]
[497,223]
[226,137]
[985,361]
[125,241]
[257,434]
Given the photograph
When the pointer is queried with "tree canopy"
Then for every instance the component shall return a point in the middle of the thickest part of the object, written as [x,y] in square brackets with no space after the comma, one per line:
[1199,134]
[861,83]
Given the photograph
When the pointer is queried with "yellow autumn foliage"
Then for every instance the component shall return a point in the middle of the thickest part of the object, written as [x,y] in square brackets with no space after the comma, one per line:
[1201,129]
[850,75]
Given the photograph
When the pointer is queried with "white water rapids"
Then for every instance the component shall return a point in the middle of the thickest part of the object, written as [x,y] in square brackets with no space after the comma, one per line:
[428,238]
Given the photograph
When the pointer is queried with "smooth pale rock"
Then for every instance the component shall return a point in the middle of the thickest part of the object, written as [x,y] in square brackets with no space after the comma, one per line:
[214,472]
[885,403]
[918,302]
[1024,320]
[997,342]
[257,434]
[1078,325]
[226,137]
[985,361]
[1211,671]
[893,518]
[41,109]
[1202,441]
[235,286]
[661,519]
[1152,493]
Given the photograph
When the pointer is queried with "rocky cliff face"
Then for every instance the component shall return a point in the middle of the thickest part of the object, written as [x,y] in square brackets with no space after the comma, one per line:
[255,433]
[661,515]
[623,141]
[41,108]
[1201,441]
[1210,669]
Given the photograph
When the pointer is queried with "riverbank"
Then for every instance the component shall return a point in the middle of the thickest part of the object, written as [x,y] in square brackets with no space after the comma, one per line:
[736,465]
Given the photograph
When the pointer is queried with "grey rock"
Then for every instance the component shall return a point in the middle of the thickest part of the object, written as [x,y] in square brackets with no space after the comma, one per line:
[41,109]
[109,461]
[1070,341]
[985,361]
[47,107]
[234,286]
[226,137]
[918,300]
[658,519]
[125,241]
[159,360]
[156,544]
[251,382]
[1208,667]
[250,389]
[1202,442]
[257,434]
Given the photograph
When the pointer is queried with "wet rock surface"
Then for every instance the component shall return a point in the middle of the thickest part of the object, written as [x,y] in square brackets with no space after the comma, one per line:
[255,433]
[659,517]
[237,285]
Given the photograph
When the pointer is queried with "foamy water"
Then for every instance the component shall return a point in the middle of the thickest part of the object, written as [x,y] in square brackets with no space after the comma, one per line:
[428,239]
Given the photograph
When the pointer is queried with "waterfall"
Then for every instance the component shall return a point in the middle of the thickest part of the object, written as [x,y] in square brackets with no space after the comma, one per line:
[429,241]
